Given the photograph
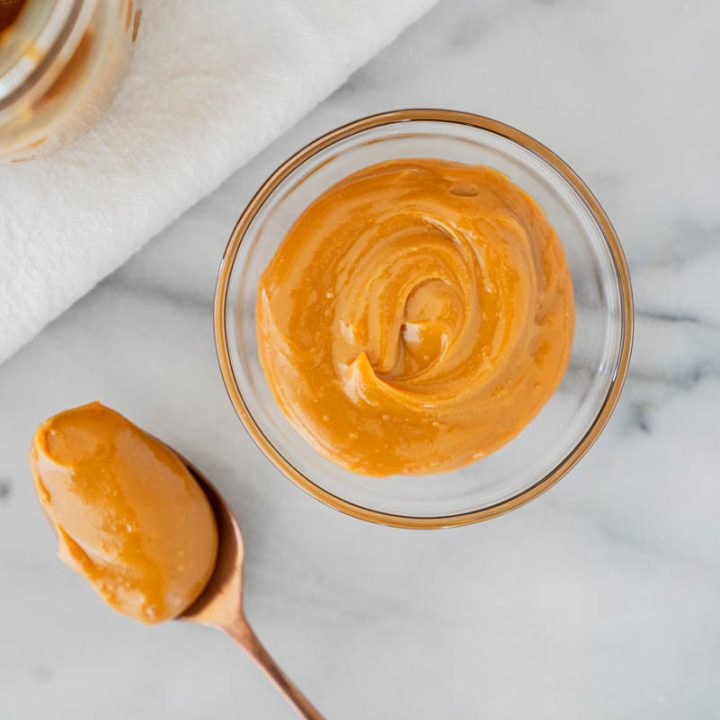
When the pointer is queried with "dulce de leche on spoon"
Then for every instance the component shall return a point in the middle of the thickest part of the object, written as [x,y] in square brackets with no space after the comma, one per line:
[148,531]
[129,516]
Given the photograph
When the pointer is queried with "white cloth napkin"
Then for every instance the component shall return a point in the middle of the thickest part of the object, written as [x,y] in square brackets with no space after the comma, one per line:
[211,84]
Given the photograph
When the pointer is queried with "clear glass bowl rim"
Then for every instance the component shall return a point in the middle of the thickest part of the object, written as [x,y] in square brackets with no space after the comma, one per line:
[452,117]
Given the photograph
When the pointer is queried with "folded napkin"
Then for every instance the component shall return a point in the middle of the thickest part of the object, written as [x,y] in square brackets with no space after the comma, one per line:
[211,84]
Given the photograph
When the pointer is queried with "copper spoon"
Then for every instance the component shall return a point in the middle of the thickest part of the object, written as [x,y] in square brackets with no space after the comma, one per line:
[220,604]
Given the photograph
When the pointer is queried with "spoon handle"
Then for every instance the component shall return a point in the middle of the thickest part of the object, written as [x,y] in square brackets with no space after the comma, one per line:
[241,632]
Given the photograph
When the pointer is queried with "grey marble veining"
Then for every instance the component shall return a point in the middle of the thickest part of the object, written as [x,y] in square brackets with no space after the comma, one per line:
[597,601]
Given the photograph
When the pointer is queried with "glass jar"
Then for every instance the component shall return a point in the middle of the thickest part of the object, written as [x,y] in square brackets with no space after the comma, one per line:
[61,64]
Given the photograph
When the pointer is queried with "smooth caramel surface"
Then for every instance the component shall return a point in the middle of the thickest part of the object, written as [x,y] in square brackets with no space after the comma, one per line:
[416,317]
[129,515]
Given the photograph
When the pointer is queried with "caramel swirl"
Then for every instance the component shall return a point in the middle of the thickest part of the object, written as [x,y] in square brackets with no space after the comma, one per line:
[416,317]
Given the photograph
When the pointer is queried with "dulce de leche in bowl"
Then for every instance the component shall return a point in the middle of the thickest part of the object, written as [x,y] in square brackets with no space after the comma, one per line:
[429,297]
[416,317]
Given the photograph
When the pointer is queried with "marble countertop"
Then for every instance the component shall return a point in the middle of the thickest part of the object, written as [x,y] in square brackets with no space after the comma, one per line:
[599,600]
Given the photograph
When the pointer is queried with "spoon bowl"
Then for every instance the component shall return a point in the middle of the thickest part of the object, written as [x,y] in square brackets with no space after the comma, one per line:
[220,603]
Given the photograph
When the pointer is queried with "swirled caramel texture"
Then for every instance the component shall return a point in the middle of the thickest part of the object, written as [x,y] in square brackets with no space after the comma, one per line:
[416,317]
[128,514]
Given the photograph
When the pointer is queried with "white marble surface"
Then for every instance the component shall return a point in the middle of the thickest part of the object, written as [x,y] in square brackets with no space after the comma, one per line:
[600,600]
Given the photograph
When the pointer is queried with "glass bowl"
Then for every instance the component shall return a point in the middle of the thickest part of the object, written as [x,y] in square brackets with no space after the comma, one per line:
[555,439]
